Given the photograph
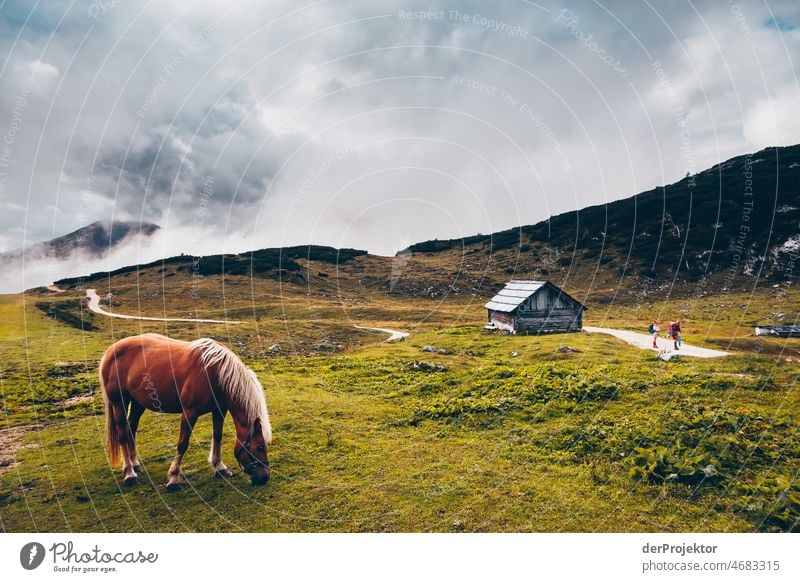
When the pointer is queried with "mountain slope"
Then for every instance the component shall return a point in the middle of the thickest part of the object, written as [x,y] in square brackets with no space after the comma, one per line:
[739,217]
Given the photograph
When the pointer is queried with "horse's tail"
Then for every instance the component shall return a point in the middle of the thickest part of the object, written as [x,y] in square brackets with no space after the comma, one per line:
[112,432]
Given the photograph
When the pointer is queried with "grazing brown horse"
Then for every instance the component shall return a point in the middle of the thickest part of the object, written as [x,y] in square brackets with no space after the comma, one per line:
[154,372]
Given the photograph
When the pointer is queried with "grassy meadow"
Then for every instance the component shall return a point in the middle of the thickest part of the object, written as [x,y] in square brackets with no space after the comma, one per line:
[489,433]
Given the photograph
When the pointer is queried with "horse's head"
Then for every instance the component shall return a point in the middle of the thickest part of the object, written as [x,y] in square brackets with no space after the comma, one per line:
[251,452]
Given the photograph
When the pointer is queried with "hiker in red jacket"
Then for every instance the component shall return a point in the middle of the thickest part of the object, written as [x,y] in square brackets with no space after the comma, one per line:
[675,331]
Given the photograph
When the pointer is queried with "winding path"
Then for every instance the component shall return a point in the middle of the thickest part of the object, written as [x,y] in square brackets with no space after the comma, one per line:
[94,305]
[641,340]
[394,335]
[645,341]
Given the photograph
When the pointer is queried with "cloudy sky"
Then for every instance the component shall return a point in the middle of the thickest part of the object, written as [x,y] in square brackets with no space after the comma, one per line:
[243,125]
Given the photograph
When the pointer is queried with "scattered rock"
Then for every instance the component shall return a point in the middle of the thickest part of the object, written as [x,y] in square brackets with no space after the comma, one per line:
[427,367]
[514,354]
[442,351]
[564,349]
[668,356]
[428,349]
[274,348]
[326,346]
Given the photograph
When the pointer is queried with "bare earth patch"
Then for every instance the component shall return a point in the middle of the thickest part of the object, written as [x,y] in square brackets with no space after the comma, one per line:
[10,443]
[72,401]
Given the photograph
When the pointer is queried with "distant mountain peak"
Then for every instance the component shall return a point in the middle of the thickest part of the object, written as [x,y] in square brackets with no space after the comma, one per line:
[93,240]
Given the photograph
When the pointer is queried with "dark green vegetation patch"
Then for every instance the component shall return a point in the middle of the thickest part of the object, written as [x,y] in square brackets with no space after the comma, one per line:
[71,312]
[264,262]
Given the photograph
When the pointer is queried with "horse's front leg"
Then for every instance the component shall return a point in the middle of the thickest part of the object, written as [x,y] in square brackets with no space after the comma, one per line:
[174,473]
[215,457]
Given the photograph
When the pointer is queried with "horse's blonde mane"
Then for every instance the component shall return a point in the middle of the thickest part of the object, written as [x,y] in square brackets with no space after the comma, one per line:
[237,380]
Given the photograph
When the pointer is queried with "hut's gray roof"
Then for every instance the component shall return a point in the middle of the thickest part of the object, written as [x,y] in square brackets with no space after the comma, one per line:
[513,294]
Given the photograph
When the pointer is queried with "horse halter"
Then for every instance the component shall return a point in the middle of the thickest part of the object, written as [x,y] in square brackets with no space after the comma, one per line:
[254,462]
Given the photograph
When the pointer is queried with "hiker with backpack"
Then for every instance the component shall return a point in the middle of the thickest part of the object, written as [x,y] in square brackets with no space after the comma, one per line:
[654,329]
[675,333]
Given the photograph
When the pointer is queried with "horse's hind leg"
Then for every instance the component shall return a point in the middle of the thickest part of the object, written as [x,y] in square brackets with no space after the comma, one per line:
[133,421]
[215,458]
[174,473]
[124,436]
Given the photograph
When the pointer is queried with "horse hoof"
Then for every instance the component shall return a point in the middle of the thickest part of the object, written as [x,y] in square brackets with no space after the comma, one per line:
[137,468]
[173,487]
[225,474]
[131,481]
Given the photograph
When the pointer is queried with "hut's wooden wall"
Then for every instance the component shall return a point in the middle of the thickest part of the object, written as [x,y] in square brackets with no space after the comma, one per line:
[552,320]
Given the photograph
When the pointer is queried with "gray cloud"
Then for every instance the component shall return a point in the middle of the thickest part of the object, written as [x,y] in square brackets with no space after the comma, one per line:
[367,125]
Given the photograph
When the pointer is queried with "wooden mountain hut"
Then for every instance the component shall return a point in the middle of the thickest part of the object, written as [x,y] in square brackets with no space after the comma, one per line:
[534,307]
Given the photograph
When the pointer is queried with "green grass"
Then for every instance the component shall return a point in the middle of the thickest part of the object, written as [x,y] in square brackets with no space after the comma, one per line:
[541,441]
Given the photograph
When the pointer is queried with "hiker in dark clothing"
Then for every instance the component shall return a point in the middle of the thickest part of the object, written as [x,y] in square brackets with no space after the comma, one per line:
[675,331]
